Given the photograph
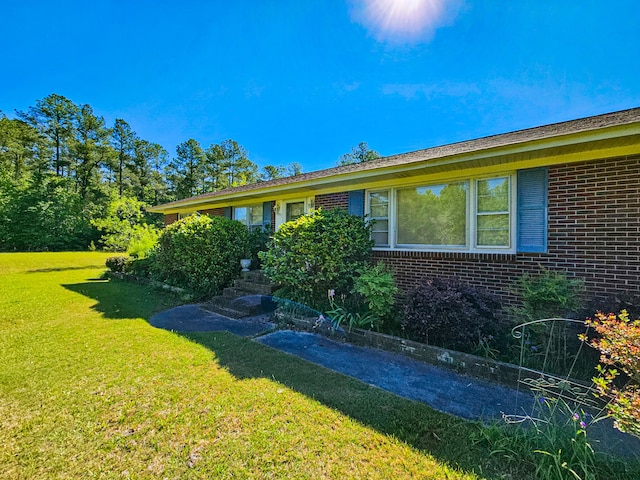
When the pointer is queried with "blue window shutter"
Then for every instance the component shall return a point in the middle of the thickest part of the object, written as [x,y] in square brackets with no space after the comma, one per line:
[532,210]
[267,208]
[356,203]
[227,212]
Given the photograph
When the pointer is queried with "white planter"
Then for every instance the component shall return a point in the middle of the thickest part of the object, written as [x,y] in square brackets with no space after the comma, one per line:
[245,263]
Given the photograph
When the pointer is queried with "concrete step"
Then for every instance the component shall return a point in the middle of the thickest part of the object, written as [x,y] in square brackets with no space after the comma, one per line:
[227,312]
[240,307]
[255,276]
[253,287]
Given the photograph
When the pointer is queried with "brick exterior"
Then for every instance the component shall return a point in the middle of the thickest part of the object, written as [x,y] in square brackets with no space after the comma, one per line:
[214,212]
[594,234]
[333,200]
[170,218]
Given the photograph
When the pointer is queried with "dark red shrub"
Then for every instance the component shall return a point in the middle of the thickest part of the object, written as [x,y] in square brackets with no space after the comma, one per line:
[449,313]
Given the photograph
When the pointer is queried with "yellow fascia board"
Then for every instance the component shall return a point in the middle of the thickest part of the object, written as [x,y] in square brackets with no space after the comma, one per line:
[505,158]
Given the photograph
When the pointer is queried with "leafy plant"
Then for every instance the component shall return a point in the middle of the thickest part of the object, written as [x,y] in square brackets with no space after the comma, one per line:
[377,287]
[116,264]
[140,267]
[123,224]
[201,253]
[322,250]
[257,242]
[619,346]
[144,239]
[341,316]
[450,313]
[552,440]
[549,295]
[628,301]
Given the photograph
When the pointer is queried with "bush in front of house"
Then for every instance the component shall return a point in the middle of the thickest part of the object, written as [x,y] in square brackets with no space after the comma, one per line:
[547,295]
[377,288]
[549,345]
[619,347]
[319,252]
[200,253]
[449,313]
[116,264]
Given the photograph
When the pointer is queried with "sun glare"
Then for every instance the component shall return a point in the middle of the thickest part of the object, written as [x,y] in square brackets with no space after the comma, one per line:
[403,20]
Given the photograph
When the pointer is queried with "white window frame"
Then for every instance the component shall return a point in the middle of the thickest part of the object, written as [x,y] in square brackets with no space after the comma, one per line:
[281,208]
[247,221]
[471,218]
[390,225]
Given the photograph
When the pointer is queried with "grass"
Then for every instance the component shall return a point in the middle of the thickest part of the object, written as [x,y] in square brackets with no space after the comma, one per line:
[88,389]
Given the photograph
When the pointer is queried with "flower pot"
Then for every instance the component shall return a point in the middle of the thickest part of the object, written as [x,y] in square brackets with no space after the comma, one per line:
[245,263]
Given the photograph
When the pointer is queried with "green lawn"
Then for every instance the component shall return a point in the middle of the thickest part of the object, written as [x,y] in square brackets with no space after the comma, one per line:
[89,389]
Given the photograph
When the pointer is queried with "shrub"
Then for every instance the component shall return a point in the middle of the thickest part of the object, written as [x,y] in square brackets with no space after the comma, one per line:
[121,223]
[551,345]
[201,253]
[116,264]
[628,301]
[548,295]
[450,313]
[140,267]
[619,346]
[378,289]
[318,252]
[144,239]
[257,242]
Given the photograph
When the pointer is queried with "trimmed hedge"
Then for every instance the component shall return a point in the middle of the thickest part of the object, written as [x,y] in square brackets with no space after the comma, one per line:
[201,253]
[321,251]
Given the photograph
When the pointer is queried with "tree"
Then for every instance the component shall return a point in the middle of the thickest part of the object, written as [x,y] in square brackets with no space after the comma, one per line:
[47,215]
[271,172]
[232,163]
[186,170]
[359,154]
[149,160]
[19,147]
[88,148]
[121,224]
[54,118]
[293,169]
[123,140]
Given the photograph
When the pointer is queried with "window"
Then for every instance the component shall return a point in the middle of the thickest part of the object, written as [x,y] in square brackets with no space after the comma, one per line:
[493,212]
[250,215]
[434,215]
[294,210]
[467,215]
[379,213]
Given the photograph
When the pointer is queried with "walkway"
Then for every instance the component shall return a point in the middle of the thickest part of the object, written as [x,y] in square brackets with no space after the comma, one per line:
[442,389]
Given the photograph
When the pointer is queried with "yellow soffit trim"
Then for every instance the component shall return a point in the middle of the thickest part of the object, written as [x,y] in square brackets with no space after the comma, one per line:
[361,177]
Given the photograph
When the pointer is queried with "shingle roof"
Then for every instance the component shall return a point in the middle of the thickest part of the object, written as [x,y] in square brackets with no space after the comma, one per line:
[619,118]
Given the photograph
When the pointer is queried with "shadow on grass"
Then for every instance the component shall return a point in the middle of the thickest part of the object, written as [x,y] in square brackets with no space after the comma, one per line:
[119,299]
[446,438]
[62,269]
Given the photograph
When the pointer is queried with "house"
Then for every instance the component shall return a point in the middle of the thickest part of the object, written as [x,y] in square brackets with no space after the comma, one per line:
[564,197]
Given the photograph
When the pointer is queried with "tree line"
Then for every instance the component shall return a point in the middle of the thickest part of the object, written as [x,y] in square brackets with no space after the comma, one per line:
[62,167]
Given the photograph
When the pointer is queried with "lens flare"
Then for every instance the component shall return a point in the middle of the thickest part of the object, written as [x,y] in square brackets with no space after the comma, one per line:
[403,20]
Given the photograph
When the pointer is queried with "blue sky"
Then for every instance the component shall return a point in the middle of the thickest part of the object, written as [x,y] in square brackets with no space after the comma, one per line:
[305,80]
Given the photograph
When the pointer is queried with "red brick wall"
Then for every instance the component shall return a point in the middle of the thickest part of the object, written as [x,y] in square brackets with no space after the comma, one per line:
[214,212]
[594,234]
[170,218]
[333,200]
